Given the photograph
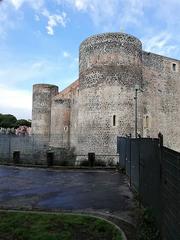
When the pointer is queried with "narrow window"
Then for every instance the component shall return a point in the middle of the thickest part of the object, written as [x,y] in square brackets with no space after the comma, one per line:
[174,67]
[65,128]
[114,120]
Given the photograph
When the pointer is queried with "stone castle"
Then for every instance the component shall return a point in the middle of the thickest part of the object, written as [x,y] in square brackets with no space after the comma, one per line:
[100,105]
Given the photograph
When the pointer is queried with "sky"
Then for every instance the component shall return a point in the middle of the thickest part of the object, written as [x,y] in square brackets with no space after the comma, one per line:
[39,39]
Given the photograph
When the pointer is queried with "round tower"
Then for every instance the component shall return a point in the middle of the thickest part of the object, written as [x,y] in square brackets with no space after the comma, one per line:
[41,109]
[110,67]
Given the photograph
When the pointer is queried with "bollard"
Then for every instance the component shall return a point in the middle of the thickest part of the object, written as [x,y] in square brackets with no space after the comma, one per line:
[50,158]
[16,157]
[91,159]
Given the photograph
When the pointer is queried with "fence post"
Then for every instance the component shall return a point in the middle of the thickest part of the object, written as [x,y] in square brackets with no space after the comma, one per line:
[160,136]
[130,159]
[139,163]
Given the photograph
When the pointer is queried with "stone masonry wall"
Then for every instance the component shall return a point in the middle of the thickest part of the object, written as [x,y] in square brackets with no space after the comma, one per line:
[32,150]
[41,111]
[64,116]
[60,123]
[91,112]
[110,66]
[162,98]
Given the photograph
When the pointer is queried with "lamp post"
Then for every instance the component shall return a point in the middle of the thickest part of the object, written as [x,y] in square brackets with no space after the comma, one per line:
[135,98]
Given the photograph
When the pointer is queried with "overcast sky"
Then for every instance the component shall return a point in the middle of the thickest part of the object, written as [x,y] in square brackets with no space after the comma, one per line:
[39,39]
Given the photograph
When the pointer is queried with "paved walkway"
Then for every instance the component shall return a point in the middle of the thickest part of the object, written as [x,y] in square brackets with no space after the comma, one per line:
[100,191]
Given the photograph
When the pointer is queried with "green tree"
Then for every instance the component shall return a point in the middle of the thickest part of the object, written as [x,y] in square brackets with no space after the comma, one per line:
[7,120]
[22,122]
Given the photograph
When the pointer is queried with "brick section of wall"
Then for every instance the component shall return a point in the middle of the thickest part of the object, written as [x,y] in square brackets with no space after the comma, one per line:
[69,91]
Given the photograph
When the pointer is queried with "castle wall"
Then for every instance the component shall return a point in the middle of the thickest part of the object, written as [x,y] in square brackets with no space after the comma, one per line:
[91,112]
[72,93]
[41,111]
[60,123]
[69,91]
[74,118]
[162,98]
[31,151]
[64,112]
[110,66]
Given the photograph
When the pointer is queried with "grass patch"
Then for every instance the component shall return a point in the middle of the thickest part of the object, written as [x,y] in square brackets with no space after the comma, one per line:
[37,226]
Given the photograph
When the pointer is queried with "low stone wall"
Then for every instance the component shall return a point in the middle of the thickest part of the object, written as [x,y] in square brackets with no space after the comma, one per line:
[34,150]
[30,151]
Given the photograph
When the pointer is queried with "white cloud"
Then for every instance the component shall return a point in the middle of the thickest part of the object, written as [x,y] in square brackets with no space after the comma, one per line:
[18,73]
[99,11]
[161,43]
[29,72]
[113,12]
[139,15]
[17,3]
[54,20]
[6,21]
[66,54]
[131,12]
[15,101]
[37,18]
[36,4]
[39,6]
[16,76]
[78,4]
[82,5]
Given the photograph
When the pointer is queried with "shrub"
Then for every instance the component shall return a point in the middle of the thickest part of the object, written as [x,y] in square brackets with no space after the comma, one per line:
[99,163]
[65,163]
[146,226]
[84,163]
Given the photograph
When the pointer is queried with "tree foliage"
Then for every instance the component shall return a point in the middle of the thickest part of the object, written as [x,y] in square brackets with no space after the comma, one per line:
[23,122]
[7,120]
[10,121]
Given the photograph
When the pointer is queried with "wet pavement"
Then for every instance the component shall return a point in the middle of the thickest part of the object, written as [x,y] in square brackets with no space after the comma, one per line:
[33,188]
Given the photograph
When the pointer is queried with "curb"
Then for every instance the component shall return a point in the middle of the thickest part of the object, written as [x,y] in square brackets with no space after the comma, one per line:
[57,167]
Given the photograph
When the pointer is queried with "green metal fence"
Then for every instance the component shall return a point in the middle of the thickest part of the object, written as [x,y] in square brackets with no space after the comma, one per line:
[154,172]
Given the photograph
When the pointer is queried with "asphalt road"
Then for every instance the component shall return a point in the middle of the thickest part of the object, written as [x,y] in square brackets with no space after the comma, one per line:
[33,188]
